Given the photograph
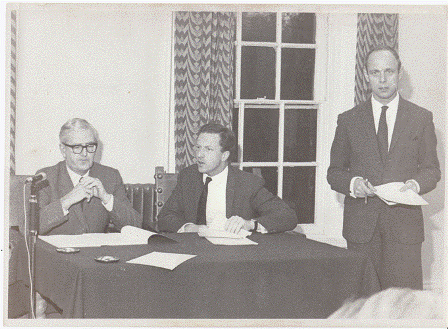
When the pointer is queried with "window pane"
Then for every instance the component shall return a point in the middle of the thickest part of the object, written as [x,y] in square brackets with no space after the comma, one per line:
[270,176]
[258,27]
[297,81]
[260,135]
[300,135]
[257,72]
[298,191]
[299,27]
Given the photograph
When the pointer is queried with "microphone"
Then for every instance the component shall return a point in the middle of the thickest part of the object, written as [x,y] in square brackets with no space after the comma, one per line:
[36,178]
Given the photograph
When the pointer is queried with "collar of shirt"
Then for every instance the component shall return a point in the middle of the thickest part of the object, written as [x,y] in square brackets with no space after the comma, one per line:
[391,115]
[75,177]
[218,178]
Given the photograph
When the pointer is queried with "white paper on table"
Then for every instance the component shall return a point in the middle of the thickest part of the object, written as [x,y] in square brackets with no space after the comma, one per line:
[232,242]
[81,240]
[161,259]
[129,235]
[391,192]
[211,233]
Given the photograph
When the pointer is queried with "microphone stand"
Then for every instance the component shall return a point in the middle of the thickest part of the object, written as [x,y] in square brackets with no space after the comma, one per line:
[33,233]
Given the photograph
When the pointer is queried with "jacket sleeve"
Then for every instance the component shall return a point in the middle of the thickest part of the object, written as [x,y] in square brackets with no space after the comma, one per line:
[122,213]
[172,215]
[51,213]
[274,214]
[428,173]
[338,174]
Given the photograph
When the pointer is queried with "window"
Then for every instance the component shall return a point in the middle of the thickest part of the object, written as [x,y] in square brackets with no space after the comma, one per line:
[276,108]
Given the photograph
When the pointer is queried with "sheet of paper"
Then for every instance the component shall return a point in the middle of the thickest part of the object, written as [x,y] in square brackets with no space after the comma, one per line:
[82,240]
[211,233]
[129,236]
[391,192]
[134,235]
[161,259]
[232,242]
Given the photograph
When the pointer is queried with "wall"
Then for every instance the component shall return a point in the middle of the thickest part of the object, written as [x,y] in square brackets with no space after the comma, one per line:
[423,50]
[110,65]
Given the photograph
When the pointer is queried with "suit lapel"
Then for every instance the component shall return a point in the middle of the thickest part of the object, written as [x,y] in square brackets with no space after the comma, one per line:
[401,122]
[195,187]
[230,191]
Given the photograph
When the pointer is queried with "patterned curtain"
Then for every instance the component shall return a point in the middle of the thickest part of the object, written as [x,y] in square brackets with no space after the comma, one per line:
[203,56]
[13,85]
[373,30]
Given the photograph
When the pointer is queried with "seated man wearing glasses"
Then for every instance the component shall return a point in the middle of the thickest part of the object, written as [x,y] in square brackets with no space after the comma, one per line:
[83,196]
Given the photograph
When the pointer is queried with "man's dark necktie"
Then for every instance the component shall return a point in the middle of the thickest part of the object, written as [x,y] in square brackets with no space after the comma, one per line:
[382,134]
[203,203]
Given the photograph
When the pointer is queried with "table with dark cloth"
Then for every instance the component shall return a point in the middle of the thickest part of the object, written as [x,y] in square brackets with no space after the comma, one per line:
[285,276]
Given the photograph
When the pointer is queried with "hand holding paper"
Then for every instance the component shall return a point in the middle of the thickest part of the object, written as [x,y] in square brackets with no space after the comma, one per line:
[390,193]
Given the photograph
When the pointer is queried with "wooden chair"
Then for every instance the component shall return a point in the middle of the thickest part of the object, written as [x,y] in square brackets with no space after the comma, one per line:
[164,186]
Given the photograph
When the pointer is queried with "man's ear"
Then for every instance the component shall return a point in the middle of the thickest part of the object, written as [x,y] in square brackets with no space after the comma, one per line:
[225,155]
[366,75]
[62,149]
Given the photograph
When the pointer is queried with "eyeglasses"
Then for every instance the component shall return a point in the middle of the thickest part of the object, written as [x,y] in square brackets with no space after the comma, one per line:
[77,149]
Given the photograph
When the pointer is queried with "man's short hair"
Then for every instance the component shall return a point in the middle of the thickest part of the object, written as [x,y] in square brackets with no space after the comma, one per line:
[227,137]
[76,124]
[380,48]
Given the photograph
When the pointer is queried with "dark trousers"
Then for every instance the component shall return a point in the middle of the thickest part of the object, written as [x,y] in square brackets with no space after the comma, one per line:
[397,264]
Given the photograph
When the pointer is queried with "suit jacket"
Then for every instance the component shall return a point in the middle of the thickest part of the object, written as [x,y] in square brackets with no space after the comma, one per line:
[90,217]
[412,155]
[245,197]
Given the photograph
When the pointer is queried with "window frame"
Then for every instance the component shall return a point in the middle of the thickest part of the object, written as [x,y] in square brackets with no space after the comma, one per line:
[319,89]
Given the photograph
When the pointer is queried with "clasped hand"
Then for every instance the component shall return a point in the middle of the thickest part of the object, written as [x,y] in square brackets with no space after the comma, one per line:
[87,188]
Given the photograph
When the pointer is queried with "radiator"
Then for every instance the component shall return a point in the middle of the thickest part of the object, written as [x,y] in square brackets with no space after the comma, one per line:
[142,200]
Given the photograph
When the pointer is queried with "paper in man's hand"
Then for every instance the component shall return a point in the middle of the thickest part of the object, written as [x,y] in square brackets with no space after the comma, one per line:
[390,193]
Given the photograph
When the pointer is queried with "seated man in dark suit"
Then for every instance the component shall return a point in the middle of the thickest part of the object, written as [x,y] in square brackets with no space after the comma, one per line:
[83,195]
[235,196]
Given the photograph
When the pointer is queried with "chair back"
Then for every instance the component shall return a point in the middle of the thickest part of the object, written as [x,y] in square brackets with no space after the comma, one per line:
[142,200]
[164,186]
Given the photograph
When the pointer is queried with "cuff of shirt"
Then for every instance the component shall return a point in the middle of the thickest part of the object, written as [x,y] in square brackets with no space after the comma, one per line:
[261,229]
[182,229]
[352,184]
[64,211]
[110,205]
[416,184]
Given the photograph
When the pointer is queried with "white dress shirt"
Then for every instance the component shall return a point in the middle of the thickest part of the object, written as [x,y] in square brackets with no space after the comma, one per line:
[391,116]
[74,177]
[215,209]
[216,197]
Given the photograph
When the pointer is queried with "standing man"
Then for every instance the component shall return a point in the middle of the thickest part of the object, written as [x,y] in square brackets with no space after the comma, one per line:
[83,196]
[237,198]
[385,139]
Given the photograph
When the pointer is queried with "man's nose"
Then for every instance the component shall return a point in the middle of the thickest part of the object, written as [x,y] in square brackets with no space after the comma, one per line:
[382,76]
[84,151]
[199,153]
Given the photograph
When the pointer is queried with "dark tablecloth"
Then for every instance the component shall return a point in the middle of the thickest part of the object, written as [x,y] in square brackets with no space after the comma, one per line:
[284,276]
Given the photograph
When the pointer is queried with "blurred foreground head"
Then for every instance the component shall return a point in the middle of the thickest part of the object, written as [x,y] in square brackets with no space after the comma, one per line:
[393,303]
